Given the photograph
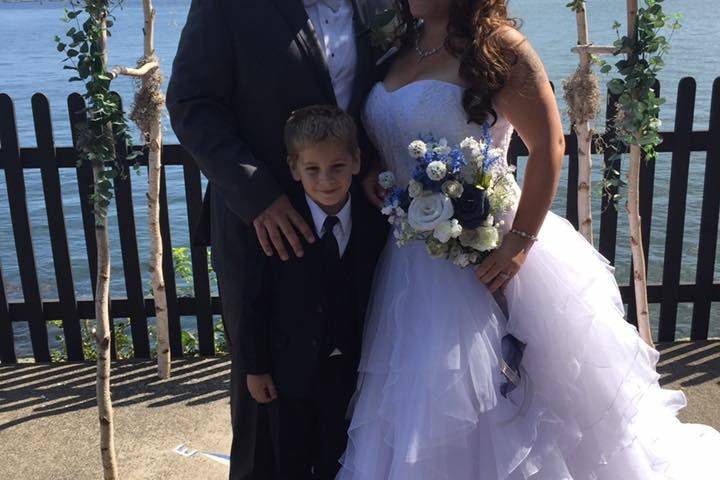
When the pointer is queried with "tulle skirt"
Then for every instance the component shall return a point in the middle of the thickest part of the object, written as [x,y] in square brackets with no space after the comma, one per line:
[588,406]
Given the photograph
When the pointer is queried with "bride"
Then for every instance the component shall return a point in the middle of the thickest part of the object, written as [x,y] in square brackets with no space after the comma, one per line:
[429,405]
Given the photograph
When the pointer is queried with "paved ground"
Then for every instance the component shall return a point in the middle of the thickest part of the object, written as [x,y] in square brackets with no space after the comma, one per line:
[48,425]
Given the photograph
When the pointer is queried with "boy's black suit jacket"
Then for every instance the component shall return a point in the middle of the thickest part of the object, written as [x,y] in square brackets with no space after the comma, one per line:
[286,305]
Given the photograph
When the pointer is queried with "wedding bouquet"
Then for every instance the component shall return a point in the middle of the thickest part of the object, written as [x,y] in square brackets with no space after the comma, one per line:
[454,198]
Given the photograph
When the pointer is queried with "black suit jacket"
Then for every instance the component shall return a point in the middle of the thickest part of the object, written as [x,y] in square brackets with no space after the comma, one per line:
[241,68]
[286,314]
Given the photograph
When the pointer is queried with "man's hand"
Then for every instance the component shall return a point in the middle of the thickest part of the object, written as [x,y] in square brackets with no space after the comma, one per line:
[281,220]
[262,388]
[373,191]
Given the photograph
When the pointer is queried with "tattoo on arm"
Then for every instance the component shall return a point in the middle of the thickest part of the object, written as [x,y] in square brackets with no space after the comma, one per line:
[528,72]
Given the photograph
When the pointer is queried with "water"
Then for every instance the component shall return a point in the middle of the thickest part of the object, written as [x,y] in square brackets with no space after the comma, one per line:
[30,63]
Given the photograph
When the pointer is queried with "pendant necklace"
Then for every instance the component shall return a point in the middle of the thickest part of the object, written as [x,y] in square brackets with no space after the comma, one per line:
[422,53]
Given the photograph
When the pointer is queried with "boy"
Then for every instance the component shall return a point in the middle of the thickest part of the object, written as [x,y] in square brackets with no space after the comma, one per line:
[302,324]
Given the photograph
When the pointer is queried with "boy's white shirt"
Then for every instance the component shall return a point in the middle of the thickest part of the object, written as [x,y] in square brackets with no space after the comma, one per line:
[342,229]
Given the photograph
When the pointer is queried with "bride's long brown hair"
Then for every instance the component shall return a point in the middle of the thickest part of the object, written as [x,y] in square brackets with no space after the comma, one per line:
[473,38]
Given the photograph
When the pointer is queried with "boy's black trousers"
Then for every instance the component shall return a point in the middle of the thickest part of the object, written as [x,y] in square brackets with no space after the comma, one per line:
[309,434]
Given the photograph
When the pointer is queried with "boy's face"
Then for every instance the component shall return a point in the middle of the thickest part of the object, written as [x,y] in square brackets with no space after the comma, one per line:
[326,169]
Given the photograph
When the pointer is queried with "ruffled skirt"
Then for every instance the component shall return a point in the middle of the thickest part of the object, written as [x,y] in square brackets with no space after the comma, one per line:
[588,406]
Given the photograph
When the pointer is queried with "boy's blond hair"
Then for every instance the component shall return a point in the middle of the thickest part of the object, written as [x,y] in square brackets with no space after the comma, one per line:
[318,123]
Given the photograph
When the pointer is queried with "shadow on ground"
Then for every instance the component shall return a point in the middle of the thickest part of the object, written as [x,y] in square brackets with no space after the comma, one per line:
[48,420]
[55,389]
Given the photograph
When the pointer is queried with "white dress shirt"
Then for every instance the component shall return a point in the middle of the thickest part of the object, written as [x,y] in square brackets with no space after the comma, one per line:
[333,23]
[341,230]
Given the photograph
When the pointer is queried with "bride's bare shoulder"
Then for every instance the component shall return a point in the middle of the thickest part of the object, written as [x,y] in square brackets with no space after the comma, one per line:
[527,71]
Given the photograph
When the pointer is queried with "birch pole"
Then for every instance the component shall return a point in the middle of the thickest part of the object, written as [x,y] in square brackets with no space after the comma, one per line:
[633,211]
[102,308]
[584,137]
[149,102]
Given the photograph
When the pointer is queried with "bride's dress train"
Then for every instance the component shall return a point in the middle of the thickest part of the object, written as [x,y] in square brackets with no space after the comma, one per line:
[589,406]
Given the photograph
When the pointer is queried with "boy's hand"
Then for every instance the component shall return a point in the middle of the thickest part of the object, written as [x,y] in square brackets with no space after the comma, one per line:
[262,388]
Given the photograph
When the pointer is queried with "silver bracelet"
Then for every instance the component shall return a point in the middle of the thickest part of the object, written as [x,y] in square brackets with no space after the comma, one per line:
[526,235]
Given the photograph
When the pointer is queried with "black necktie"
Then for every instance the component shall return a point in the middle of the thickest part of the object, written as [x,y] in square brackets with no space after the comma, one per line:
[330,244]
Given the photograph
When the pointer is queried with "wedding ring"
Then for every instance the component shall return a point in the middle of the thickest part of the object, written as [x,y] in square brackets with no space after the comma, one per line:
[504,275]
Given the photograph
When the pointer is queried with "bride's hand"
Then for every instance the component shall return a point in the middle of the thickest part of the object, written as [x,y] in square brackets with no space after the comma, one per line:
[373,191]
[502,264]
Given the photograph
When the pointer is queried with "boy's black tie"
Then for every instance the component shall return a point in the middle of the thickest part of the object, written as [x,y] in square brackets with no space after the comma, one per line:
[330,244]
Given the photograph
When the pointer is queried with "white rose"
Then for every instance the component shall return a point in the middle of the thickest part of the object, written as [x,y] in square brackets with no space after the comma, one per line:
[452,189]
[436,170]
[447,230]
[429,211]
[415,189]
[417,149]
[386,179]
[488,239]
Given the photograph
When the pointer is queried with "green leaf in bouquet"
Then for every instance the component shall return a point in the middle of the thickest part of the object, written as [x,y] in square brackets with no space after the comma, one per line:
[486,180]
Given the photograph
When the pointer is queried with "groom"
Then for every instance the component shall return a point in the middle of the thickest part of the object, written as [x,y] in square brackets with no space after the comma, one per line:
[241,69]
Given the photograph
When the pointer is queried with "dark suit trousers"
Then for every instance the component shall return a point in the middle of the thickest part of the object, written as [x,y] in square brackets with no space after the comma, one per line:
[251,451]
[309,434]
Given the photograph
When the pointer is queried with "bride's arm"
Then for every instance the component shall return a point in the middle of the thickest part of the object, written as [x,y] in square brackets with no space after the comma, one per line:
[528,103]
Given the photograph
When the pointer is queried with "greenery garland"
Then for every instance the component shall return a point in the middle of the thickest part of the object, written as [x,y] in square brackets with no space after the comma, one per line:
[637,119]
[106,123]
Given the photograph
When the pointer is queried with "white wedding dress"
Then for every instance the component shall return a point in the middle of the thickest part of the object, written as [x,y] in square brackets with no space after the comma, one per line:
[429,406]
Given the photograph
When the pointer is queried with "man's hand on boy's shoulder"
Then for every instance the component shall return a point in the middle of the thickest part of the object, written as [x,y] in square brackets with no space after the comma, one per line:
[262,388]
[280,220]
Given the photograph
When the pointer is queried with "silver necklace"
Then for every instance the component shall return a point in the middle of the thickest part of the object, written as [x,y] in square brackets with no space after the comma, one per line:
[422,53]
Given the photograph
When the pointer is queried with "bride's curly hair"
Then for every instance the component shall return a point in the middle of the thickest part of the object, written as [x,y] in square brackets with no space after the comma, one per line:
[473,38]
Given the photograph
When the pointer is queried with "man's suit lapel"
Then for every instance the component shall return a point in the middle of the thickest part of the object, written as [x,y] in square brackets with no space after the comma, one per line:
[307,40]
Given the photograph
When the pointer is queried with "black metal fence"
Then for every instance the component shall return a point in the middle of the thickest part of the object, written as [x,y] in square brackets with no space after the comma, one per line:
[37,311]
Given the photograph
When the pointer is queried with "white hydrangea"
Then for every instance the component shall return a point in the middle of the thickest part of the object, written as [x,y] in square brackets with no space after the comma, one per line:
[469,144]
[417,149]
[442,147]
[436,170]
[415,189]
[462,260]
[469,173]
[447,230]
[488,238]
[504,195]
[496,153]
[386,179]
